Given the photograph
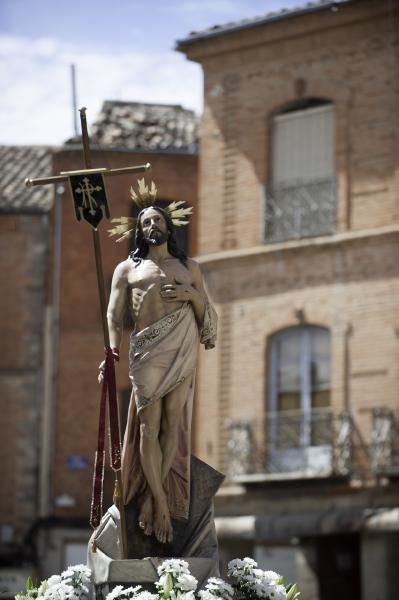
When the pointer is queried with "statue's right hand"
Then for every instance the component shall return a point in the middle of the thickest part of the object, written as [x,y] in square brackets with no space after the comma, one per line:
[101,372]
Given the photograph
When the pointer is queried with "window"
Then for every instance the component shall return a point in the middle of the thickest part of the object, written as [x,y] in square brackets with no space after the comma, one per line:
[299,388]
[300,199]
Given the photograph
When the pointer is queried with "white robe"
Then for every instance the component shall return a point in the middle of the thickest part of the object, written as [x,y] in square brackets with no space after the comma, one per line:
[161,357]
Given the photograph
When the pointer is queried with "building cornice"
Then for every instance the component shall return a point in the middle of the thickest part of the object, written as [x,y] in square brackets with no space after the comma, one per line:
[219,260]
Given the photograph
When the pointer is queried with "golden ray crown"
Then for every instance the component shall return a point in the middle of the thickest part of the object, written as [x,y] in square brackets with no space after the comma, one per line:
[145,197]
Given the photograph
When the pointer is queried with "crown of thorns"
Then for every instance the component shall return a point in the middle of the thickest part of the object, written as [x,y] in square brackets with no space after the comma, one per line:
[145,197]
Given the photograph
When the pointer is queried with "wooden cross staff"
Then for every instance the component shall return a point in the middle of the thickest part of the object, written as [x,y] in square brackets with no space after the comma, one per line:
[90,203]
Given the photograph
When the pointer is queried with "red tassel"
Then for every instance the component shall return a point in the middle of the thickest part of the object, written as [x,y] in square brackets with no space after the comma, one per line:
[108,390]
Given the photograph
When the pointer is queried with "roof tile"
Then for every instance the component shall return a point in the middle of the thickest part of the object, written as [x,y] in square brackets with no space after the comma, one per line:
[16,164]
[148,127]
[284,13]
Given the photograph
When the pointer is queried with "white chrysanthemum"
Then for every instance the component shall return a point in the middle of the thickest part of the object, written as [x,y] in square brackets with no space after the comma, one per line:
[279,593]
[206,595]
[263,589]
[78,576]
[236,564]
[79,569]
[187,595]
[242,568]
[117,592]
[134,591]
[174,566]
[250,562]
[220,588]
[271,576]
[53,580]
[186,582]
[144,595]
[60,591]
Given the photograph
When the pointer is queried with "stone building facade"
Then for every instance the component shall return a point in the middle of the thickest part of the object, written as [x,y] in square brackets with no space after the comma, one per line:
[298,241]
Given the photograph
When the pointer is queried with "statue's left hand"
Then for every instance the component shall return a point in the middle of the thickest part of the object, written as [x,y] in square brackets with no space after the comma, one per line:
[177,292]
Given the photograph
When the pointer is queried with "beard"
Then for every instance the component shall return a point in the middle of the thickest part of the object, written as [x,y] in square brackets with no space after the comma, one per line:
[157,238]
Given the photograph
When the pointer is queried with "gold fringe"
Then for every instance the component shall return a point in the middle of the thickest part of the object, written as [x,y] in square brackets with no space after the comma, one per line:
[117,493]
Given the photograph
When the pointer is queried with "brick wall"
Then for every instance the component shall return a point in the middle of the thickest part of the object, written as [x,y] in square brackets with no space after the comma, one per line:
[23,268]
[347,282]
[350,287]
[349,57]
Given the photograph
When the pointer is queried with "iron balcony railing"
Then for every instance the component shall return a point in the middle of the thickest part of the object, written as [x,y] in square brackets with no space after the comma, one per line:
[384,447]
[319,443]
[294,211]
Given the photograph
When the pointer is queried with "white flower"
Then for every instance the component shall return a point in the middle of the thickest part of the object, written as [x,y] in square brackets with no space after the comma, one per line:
[206,595]
[263,589]
[271,576]
[238,568]
[219,588]
[144,595]
[53,580]
[279,593]
[174,566]
[186,582]
[187,596]
[117,592]
[250,562]
[60,591]
[235,565]
[77,576]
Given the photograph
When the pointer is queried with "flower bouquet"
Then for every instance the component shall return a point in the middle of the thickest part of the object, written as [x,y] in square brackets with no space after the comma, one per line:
[72,584]
[175,582]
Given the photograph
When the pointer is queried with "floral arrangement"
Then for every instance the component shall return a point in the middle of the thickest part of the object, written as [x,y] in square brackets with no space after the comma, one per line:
[175,582]
[251,583]
[72,584]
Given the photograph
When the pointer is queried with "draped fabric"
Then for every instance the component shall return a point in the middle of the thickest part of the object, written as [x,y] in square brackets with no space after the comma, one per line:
[161,357]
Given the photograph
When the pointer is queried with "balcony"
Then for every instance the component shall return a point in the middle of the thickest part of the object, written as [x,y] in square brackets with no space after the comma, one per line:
[384,448]
[295,211]
[316,444]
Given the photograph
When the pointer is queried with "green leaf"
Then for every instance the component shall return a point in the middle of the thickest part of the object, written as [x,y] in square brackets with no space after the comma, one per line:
[292,592]
[30,585]
[168,585]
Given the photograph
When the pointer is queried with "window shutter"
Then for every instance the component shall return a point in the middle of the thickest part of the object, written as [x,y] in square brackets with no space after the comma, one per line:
[303,146]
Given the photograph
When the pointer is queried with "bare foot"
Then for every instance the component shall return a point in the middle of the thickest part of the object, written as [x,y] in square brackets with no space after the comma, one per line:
[146,514]
[162,525]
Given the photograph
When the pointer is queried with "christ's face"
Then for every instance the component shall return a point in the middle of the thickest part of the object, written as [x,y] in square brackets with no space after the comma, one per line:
[155,229]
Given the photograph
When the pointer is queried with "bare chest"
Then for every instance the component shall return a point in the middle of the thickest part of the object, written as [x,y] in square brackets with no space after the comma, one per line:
[145,285]
[148,273]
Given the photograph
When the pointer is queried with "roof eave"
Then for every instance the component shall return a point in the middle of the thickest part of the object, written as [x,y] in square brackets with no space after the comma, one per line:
[180,45]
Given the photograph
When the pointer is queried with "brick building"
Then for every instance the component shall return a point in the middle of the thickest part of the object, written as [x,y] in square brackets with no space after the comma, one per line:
[298,239]
[24,320]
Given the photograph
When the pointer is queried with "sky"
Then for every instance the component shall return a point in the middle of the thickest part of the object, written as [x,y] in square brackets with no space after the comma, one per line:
[121,49]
